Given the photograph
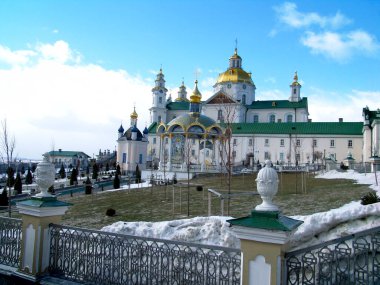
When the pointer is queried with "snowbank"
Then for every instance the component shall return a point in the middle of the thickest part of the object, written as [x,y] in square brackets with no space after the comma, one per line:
[317,228]
[206,230]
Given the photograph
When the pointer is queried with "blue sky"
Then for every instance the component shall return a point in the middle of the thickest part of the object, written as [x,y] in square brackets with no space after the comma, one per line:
[71,71]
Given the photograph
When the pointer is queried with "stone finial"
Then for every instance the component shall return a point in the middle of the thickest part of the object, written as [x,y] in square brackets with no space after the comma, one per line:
[267,186]
[45,172]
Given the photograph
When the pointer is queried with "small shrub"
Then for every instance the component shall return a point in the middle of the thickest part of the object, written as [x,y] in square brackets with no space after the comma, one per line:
[370,198]
[111,212]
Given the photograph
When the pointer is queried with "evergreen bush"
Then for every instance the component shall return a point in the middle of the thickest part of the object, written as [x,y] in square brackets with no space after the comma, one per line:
[88,186]
[110,212]
[370,198]
[116,182]
[18,184]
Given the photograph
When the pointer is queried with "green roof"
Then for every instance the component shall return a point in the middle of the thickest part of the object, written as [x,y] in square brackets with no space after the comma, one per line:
[278,104]
[181,105]
[152,128]
[306,128]
[67,153]
[267,221]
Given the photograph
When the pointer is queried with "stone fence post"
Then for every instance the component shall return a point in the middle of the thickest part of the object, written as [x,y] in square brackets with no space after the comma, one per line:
[37,214]
[264,234]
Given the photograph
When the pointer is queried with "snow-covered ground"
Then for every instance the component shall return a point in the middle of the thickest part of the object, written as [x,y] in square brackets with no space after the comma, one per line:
[316,228]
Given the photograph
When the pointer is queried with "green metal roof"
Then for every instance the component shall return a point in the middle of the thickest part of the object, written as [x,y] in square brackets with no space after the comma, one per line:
[43,202]
[152,128]
[192,118]
[267,221]
[181,105]
[67,153]
[306,128]
[278,104]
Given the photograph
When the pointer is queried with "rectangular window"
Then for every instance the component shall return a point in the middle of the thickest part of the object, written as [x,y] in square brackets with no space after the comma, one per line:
[193,141]
[140,158]
[250,142]
[298,157]
[266,155]
[282,142]
[281,156]
[154,140]
[350,143]
[207,153]
[314,143]
[153,151]
[256,118]
[124,157]
[160,100]
[235,141]
[166,140]
[332,143]
[298,142]
[266,142]
[192,152]
[234,153]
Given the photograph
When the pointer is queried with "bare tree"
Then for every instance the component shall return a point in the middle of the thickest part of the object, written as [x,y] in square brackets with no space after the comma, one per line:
[229,111]
[8,144]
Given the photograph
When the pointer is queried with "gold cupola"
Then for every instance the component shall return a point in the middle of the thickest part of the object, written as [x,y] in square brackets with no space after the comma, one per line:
[196,96]
[295,80]
[235,72]
[134,114]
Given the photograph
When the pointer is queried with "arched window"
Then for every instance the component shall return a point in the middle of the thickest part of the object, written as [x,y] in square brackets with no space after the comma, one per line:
[255,118]
[289,118]
[220,115]
[159,119]
[243,99]
[272,118]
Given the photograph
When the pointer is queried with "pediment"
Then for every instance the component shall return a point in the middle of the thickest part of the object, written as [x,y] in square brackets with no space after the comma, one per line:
[220,98]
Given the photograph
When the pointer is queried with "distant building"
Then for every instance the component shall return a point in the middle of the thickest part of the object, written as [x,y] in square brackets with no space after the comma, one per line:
[67,158]
[131,146]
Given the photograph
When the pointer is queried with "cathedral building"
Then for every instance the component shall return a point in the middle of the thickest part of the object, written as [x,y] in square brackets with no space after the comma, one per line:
[191,132]
[132,146]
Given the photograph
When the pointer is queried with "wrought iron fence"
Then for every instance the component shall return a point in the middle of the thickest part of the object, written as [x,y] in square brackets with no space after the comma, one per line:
[10,241]
[354,259]
[107,258]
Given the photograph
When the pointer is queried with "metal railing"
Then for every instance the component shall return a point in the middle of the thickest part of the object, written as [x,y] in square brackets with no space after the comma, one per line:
[107,258]
[10,241]
[354,259]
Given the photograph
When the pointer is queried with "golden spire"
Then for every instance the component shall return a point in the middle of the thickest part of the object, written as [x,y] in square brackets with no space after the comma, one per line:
[295,78]
[134,114]
[196,96]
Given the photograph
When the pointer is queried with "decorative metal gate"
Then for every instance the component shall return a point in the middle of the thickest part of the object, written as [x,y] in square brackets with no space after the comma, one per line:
[10,241]
[354,259]
[108,258]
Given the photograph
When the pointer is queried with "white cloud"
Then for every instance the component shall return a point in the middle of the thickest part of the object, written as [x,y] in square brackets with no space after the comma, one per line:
[58,52]
[79,106]
[289,15]
[328,106]
[340,47]
[17,57]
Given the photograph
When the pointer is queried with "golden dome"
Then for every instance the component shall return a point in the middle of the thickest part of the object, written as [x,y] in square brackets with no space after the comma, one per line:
[134,114]
[196,96]
[295,78]
[235,75]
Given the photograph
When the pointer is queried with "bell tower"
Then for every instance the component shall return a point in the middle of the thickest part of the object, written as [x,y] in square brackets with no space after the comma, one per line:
[295,89]
[158,109]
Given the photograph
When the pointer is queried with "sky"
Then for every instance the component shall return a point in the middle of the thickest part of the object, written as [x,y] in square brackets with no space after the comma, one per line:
[72,71]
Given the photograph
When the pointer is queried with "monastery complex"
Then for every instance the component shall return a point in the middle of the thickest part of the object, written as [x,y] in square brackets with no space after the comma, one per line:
[188,131]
